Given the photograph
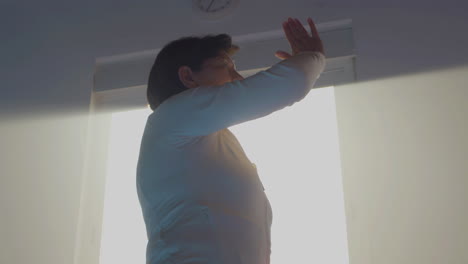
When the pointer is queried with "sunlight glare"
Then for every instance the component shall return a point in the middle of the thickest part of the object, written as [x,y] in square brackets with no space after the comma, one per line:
[297,157]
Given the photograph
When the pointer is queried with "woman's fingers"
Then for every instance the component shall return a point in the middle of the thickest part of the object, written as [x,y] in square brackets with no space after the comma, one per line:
[294,28]
[287,31]
[300,28]
[312,28]
[299,38]
[290,35]
[282,54]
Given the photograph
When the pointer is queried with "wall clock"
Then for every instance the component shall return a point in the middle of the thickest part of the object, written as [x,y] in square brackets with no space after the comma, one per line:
[214,9]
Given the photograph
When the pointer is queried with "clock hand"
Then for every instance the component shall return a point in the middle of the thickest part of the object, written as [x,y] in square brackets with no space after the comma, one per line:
[208,9]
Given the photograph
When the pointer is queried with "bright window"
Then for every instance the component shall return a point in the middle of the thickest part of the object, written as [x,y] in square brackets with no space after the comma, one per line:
[297,157]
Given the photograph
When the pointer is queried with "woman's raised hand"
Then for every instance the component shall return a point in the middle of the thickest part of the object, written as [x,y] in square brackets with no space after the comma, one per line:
[299,39]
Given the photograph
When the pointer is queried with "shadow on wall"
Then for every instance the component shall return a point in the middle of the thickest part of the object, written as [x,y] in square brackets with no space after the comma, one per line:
[390,42]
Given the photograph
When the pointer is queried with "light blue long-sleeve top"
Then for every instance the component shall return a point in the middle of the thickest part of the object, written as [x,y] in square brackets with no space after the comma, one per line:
[201,197]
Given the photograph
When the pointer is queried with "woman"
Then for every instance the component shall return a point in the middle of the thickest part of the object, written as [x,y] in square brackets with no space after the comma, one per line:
[201,197]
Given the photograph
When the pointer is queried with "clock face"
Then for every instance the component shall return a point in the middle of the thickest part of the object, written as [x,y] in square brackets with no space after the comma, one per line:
[214,8]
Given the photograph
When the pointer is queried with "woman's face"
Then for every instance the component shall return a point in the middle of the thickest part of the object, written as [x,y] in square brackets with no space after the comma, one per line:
[217,71]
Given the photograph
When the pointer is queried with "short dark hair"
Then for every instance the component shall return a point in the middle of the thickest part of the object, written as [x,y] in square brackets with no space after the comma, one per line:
[190,51]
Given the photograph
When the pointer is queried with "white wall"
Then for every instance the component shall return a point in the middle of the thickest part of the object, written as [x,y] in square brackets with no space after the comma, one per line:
[404,145]
[402,134]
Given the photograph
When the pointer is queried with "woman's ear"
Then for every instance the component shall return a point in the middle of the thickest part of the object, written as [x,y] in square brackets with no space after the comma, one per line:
[186,77]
